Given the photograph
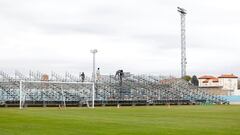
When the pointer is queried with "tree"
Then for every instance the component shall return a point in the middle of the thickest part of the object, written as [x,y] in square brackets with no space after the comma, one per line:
[187,78]
[195,81]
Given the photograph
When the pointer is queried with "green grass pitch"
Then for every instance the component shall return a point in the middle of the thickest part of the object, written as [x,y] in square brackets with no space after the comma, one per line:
[148,120]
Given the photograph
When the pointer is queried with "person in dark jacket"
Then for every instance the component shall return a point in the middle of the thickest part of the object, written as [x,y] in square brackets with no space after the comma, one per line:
[82,76]
[119,74]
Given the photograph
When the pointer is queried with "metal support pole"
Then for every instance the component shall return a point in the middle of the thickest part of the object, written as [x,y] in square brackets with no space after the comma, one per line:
[20,95]
[94,51]
[93,89]
[93,97]
[43,91]
[63,97]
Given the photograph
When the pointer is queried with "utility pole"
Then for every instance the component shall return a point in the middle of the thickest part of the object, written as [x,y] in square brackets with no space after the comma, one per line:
[94,51]
[183,42]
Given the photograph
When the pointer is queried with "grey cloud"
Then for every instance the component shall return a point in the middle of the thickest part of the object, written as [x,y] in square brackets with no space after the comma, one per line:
[159,41]
[146,28]
[89,28]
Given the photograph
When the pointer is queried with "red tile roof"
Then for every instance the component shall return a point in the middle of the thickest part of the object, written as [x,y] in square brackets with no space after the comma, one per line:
[207,77]
[227,76]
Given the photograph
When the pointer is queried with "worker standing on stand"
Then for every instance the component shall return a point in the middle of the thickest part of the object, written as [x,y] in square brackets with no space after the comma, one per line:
[98,75]
[82,76]
[119,74]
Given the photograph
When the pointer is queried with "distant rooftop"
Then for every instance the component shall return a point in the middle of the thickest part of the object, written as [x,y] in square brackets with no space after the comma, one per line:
[227,76]
[209,77]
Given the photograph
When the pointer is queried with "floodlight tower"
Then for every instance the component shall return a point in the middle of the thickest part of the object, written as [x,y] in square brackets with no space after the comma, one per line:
[93,51]
[183,41]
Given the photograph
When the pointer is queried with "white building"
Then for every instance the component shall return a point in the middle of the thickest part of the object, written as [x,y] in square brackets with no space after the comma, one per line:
[208,81]
[227,82]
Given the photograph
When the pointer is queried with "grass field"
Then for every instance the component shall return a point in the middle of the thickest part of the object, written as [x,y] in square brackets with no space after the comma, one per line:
[156,120]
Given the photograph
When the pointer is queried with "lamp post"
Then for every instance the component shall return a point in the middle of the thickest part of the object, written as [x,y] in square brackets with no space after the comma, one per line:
[93,51]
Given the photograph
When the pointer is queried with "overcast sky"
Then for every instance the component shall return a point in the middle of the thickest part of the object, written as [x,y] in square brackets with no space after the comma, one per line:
[139,36]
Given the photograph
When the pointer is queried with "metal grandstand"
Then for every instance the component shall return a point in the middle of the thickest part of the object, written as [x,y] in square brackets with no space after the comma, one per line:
[70,91]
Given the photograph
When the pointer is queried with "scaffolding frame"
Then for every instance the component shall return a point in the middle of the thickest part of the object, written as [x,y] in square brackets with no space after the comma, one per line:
[21,91]
[134,90]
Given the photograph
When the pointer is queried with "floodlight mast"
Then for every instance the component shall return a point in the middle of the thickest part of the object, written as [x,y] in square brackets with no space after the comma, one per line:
[93,51]
[183,42]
